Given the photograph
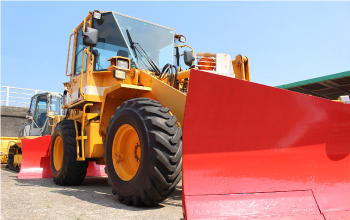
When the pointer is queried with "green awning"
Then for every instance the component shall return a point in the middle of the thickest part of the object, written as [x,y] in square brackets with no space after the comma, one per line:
[328,87]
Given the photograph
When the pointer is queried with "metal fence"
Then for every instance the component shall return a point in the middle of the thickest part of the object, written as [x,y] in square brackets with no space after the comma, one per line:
[20,97]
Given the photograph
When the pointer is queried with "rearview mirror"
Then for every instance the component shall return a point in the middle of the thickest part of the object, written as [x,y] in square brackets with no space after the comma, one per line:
[188,58]
[182,39]
[90,37]
[29,117]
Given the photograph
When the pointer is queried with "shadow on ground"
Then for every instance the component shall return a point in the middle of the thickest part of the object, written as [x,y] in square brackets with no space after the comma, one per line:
[95,190]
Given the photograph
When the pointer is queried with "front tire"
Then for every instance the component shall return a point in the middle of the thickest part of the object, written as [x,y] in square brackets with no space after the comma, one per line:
[143,152]
[66,170]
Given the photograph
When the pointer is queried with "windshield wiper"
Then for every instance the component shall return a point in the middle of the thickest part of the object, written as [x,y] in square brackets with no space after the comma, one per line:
[139,51]
[132,44]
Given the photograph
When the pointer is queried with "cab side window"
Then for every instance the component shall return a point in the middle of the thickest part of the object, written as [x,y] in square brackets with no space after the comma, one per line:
[79,53]
[31,109]
[55,105]
[40,112]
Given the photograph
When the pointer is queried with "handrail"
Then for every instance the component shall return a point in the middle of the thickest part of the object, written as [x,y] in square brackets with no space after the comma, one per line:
[10,87]
[84,26]
[82,137]
[192,50]
[70,38]
[10,95]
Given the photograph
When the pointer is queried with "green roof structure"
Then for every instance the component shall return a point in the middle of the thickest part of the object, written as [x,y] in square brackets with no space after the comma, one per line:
[328,87]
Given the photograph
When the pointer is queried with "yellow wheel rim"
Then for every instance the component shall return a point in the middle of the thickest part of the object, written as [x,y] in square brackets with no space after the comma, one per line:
[126,152]
[58,153]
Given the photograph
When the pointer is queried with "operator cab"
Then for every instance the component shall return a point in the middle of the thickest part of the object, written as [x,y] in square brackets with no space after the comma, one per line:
[115,32]
[38,122]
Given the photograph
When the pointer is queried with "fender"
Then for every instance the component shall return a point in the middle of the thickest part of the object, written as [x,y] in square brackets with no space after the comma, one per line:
[114,97]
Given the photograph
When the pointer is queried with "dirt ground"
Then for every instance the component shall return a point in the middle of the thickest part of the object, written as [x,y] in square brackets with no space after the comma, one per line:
[43,199]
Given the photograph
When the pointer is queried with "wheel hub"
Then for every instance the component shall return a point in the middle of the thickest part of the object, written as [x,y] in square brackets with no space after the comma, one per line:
[58,153]
[126,152]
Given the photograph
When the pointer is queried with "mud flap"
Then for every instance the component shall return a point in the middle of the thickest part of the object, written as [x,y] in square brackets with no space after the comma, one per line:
[95,169]
[36,160]
[254,151]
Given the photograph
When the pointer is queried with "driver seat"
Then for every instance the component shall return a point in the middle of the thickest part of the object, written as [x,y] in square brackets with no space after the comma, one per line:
[123,53]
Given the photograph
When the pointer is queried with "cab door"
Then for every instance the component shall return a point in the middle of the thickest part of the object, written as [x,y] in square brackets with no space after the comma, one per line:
[79,47]
[39,116]
[25,129]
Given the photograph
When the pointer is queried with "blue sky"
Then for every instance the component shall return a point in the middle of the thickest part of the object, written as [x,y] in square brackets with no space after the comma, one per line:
[285,41]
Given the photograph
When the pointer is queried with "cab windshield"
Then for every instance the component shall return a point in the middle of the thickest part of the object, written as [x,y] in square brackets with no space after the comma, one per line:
[155,40]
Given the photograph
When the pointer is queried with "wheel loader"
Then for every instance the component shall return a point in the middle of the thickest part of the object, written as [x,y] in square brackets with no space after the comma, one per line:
[142,103]
[44,112]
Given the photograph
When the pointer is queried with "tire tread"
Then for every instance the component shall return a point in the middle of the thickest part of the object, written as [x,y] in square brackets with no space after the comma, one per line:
[165,157]
[73,172]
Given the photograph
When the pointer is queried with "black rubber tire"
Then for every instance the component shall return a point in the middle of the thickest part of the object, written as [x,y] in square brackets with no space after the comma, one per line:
[72,172]
[160,167]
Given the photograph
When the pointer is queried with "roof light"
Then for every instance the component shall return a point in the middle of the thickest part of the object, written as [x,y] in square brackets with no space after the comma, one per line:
[97,15]
[182,39]
[206,63]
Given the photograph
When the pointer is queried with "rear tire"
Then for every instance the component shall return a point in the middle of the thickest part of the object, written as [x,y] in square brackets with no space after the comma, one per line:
[66,170]
[160,155]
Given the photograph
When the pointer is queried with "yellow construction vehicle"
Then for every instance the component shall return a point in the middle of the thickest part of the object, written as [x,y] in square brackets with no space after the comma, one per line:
[6,143]
[250,150]
[126,105]
[43,114]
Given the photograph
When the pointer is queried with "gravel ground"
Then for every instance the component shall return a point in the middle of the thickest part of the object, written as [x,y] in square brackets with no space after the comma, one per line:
[42,199]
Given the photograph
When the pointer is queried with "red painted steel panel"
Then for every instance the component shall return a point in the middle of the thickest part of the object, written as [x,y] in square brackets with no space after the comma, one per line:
[345,215]
[243,137]
[95,169]
[36,160]
[263,205]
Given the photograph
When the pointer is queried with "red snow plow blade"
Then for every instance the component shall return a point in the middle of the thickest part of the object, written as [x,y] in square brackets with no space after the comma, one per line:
[36,160]
[254,151]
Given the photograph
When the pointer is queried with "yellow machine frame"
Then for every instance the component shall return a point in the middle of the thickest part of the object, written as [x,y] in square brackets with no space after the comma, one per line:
[93,111]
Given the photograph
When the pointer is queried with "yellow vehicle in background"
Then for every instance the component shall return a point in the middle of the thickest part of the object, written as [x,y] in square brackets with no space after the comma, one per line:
[43,114]
[6,143]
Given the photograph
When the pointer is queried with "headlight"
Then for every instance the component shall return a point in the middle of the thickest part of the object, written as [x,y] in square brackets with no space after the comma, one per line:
[122,64]
[119,74]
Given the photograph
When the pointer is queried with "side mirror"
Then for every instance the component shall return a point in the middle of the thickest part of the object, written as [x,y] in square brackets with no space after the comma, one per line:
[188,58]
[182,39]
[29,117]
[90,37]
